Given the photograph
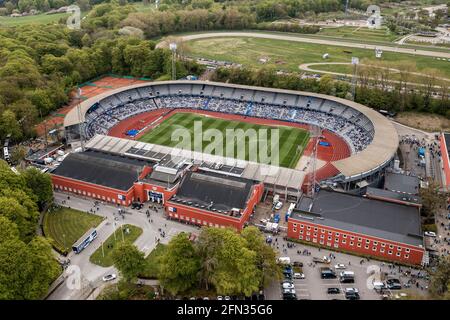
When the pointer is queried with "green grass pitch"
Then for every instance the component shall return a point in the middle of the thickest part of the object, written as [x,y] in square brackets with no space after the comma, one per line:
[291,143]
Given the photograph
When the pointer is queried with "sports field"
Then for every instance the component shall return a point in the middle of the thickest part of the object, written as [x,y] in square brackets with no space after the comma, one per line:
[291,141]
[287,55]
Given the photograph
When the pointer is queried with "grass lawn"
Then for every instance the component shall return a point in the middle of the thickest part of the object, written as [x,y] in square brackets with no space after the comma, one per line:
[65,226]
[288,142]
[288,55]
[110,244]
[37,19]
[424,121]
[357,33]
[152,262]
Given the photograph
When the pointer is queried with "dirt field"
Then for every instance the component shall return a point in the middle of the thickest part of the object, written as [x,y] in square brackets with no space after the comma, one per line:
[426,122]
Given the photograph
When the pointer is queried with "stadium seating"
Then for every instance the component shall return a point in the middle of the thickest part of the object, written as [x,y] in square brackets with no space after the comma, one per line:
[345,121]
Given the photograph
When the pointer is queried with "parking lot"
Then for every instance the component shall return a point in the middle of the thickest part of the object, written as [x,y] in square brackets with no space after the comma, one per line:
[315,288]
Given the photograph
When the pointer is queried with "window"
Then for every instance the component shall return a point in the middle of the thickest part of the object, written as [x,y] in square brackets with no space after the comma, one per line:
[367,247]
[301,231]
[367,241]
[302,226]
[352,243]
[382,250]
[359,239]
[391,246]
[295,225]
[321,242]
[344,241]
[398,254]
[359,245]
[329,232]
[308,233]
[407,250]
[336,245]
[406,256]
[375,243]
[322,230]
[322,236]
[329,238]
[383,244]
[315,229]
[352,238]
[344,236]
[295,229]
[399,248]
[374,248]
[308,239]
[329,244]
[390,252]
[337,234]
[308,228]
[336,240]
[315,240]
[315,235]
[300,237]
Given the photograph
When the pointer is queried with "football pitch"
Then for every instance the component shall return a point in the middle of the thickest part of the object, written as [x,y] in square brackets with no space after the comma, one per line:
[290,142]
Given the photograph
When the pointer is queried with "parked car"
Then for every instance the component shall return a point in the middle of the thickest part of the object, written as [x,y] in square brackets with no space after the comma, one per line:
[430,234]
[287,285]
[279,205]
[219,298]
[352,294]
[297,264]
[109,277]
[289,296]
[339,266]
[333,290]
[227,298]
[289,291]
[299,275]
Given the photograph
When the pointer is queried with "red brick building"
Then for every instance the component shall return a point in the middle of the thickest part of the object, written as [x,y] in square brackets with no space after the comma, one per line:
[208,199]
[364,226]
[198,197]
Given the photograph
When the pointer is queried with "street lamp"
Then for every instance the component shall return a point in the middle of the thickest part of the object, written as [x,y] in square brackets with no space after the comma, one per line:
[173,48]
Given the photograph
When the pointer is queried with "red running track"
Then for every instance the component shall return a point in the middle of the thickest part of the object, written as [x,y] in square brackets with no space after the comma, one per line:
[337,150]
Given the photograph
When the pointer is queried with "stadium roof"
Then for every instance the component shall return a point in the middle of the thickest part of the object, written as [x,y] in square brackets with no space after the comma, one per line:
[280,177]
[384,220]
[214,191]
[107,170]
[380,151]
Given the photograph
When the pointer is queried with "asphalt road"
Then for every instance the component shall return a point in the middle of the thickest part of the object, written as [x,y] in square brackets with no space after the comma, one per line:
[91,274]
[386,48]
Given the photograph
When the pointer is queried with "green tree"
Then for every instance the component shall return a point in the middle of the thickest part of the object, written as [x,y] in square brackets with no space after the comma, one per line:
[8,230]
[41,185]
[9,125]
[180,265]
[440,279]
[129,261]
[267,267]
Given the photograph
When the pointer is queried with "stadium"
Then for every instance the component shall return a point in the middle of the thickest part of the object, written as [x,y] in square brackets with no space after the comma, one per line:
[355,145]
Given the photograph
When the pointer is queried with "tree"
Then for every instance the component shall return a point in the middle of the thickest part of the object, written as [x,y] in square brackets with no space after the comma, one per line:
[128,260]
[268,269]
[227,263]
[41,185]
[432,200]
[440,279]
[180,265]
[8,230]
[9,125]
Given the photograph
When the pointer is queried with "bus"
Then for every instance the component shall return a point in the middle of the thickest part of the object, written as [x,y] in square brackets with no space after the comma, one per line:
[85,240]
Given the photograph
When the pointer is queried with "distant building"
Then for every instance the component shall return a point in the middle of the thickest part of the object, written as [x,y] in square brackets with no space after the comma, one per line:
[356,224]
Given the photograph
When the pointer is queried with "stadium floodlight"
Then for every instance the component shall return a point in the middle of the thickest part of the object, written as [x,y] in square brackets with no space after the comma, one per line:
[173,48]
[355,62]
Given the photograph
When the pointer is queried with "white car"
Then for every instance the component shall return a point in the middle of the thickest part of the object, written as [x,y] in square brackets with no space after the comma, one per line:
[287,285]
[278,205]
[299,275]
[430,234]
[219,298]
[339,266]
[227,298]
[109,277]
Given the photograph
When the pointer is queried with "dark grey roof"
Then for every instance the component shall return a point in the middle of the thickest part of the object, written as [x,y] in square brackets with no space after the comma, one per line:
[401,183]
[387,194]
[224,192]
[102,169]
[371,217]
